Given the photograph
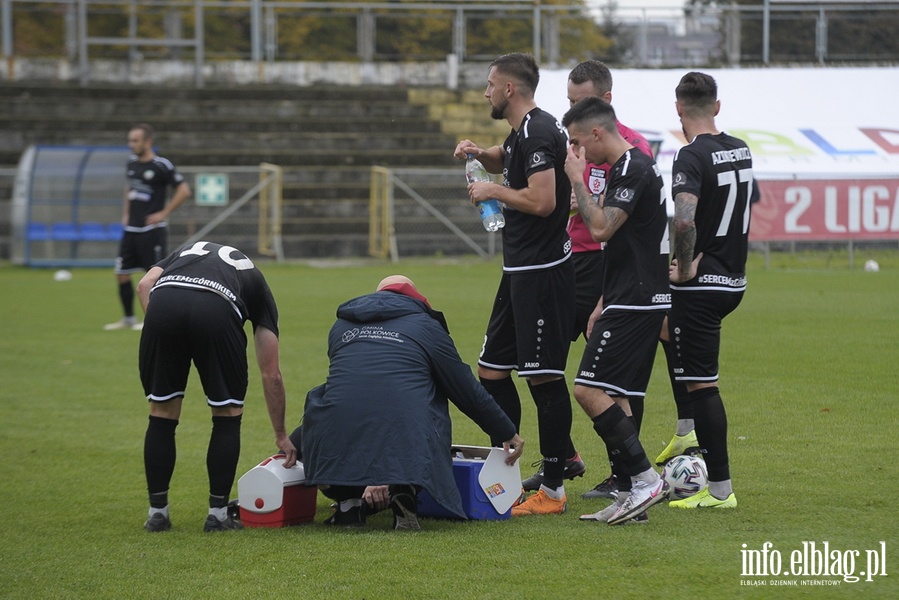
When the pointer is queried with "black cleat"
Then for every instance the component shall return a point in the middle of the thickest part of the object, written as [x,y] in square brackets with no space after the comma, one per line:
[158,522]
[354,516]
[574,467]
[607,488]
[229,524]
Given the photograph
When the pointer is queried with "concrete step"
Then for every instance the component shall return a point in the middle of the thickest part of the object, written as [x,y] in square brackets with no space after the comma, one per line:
[151,109]
[118,126]
[268,92]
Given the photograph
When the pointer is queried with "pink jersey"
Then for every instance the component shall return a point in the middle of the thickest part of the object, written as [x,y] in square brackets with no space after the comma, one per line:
[595,178]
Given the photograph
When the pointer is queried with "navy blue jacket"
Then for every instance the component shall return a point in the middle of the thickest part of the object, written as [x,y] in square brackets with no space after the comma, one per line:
[382,417]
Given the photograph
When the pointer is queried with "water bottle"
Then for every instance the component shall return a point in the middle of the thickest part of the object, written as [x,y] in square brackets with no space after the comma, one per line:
[491,213]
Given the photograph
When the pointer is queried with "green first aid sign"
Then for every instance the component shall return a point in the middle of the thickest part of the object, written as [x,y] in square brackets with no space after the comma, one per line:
[211,189]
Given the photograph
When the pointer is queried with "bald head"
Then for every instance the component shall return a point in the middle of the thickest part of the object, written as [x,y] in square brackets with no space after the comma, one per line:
[394,280]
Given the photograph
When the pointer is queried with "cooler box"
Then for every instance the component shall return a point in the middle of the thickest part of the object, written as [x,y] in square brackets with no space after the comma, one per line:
[467,464]
[272,496]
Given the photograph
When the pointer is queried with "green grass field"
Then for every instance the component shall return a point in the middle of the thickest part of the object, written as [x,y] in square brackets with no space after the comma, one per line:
[809,377]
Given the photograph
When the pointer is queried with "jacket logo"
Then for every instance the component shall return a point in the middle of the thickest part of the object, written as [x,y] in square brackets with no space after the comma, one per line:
[349,334]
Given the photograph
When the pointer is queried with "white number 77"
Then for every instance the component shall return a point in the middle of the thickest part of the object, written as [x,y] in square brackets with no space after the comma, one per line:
[729,178]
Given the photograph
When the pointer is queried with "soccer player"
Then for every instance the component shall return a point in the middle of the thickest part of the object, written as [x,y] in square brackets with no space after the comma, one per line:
[712,185]
[197,301]
[533,311]
[624,328]
[144,216]
[592,78]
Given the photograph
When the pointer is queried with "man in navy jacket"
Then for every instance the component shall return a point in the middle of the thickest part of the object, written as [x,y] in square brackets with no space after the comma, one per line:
[379,429]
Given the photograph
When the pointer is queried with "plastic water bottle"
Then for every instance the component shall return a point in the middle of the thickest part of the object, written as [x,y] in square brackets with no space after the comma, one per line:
[491,213]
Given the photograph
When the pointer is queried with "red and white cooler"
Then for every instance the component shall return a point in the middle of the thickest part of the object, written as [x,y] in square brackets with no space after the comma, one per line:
[272,496]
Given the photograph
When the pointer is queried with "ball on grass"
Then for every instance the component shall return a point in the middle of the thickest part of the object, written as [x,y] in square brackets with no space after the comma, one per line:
[62,275]
[871,266]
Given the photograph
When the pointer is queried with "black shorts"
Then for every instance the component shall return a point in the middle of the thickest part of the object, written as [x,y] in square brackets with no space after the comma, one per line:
[588,271]
[531,322]
[184,325]
[694,328]
[620,353]
[138,251]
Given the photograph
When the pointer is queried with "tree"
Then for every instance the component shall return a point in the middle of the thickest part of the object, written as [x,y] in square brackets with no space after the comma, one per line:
[321,33]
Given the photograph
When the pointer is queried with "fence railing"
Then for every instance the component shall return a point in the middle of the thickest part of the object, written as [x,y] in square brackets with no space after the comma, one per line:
[423,212]
[416,212]
[179,30]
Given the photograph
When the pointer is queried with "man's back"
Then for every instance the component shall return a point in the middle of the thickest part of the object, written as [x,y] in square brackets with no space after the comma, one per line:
[225,271]
[718,170]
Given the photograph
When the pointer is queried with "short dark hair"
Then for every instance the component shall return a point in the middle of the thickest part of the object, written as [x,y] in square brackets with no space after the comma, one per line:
[696,92]
[146,128]
[521,67]
[593,110]
[594,71]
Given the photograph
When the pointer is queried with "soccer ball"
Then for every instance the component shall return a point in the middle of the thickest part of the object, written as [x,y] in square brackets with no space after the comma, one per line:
[686,475]
[871,266]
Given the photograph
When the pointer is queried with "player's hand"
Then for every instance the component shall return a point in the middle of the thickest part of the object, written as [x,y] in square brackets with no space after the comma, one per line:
[479,191]
[575,163]
[594,317]
[377,496]
[675,275]
[514,446]
[287,449]
[466,147]
[154,218]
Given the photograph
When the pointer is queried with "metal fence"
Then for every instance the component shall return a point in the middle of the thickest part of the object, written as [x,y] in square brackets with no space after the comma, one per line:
[259,30]
[424,212]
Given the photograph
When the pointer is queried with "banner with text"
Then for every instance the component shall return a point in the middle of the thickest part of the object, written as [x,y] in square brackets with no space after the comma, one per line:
[826,209]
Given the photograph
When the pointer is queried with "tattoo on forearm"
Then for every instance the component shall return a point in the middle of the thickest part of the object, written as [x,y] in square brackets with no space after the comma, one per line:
[685,229]
[613,217]
[585,203]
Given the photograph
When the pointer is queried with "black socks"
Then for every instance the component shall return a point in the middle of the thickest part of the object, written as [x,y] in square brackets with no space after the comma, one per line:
[554,425]
[159,459]
[620,436]
[506,395]
[222,455]
[126,295]
[711,431]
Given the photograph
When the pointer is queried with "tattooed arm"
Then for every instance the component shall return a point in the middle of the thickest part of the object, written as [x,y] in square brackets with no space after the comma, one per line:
[601,221]
[683,267]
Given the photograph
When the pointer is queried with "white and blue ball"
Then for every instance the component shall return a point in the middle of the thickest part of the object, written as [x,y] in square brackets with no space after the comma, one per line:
[686,475]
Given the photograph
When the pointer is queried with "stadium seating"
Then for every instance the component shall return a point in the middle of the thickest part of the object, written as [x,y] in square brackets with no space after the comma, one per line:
[92,232]
[38,232]
[64,232]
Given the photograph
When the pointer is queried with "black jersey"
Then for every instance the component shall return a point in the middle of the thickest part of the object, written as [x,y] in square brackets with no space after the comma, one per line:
[718,170]
[531,242]
[636,256]
[148,183]
[225,271]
